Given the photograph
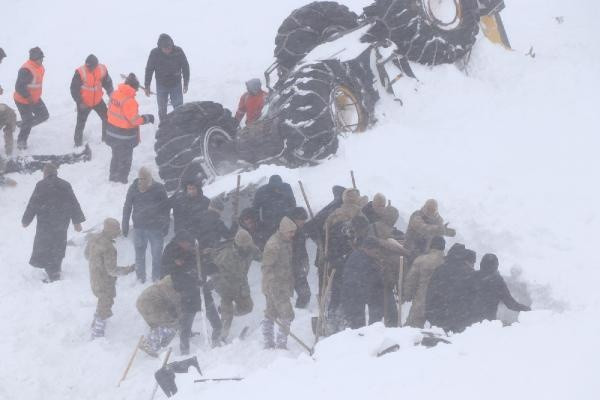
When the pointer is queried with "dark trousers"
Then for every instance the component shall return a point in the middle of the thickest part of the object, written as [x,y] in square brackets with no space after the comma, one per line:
[163,93]
[354,302]
[141,239]
[302,291]
[53,271]
[31,115]
[82,116]
[185,324]
[30,164]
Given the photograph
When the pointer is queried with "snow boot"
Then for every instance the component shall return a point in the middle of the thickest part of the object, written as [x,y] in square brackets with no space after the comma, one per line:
[268,330]
[282,334]
[98,327]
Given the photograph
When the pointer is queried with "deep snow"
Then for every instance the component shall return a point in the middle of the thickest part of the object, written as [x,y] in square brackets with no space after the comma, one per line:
[509,149]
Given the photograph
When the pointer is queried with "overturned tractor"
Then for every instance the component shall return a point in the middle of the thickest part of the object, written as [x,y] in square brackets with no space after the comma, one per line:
[330,67]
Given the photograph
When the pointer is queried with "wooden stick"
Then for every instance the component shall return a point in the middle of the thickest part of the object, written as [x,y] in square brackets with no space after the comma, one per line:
[165,361]
[203,302]
[217,380]
[321,321]
[400,281]
[236,202]
[131,360]
[312,215]
[353,180]
[296,338]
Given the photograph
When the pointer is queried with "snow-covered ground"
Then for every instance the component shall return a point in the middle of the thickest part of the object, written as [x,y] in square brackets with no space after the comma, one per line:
[510,151]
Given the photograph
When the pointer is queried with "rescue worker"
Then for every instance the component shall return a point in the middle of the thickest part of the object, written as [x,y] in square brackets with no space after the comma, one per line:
[8,118]
[30,164]
[147,205]
[339,237]
[315,230]
[417,281]
[28,95]
[490,290]
[278,284]
[86,89]
[424,225]
[251,103]
[233,258]
[170,65]
[300,258]
[374,209]
[187,204]
[102,256]
[55,206]
[248,220]
[179,262]
[271,202]
[160,306]
[123,128]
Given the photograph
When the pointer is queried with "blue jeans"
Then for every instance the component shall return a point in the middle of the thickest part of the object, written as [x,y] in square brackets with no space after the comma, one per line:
[163,93]
[141,239]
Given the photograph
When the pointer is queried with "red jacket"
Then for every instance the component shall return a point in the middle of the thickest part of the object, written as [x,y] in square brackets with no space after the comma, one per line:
[251,106]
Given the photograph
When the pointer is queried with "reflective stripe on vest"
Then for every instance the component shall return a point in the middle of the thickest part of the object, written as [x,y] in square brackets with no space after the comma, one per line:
[119,114]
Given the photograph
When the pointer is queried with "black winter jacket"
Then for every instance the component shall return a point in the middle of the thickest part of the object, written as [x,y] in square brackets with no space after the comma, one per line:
[150,209]
[184,276]
[272,202]
[55,206]
[209,229]
[187,210]
[490,290]
[24,78]
[169,68]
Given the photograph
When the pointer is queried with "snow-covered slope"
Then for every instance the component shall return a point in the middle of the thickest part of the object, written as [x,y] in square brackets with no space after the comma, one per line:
[510,151]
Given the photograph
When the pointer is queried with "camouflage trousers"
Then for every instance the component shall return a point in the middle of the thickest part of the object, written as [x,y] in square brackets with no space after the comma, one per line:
[104,307]
[8,122]
[243,305]
[279,305]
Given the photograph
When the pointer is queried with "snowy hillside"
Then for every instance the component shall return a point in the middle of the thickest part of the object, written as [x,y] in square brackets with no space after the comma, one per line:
[510,150]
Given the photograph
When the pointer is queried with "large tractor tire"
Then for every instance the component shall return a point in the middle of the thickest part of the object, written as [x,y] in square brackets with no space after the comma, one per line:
[193,141]
[429,32]
[318,102]
[309,26]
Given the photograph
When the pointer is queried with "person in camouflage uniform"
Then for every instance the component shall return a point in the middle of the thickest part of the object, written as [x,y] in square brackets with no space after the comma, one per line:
[233,260]
[102,256]
[424,225]
[8,122]
[160,306]
[278,284]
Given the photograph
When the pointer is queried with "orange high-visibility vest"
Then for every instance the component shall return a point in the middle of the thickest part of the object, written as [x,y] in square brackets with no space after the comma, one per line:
[91,84]
[123,108]
[35,87]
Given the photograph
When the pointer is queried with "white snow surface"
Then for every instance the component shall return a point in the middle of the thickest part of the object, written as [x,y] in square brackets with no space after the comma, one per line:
[509,149]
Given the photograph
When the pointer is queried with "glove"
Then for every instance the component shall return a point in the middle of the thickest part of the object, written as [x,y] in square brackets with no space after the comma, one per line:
[147,91]
[148,118]
[130,269]
[125,230]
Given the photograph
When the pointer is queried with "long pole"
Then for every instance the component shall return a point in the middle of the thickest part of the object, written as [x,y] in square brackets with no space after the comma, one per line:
[165,361]
[312,215]
[353,180]
[137,346]
[203,303]
[236,203]
[400,281]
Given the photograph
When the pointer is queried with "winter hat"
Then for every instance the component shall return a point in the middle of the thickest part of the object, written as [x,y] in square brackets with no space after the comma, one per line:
[132,81]
[287,225]
[217,204]
[438,243]
[470,256]
[112,227]
[164,41]
[379,201]
[91,61]
[489,263]
[390,215]
[275,180]
[243,238]
[298,213]
[338,191]
[253,86]
[2,54]
[36,53]
[456,250]
[50,169]
[351,196]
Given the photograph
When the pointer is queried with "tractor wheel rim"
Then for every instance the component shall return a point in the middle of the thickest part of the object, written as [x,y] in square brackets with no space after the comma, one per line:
[346,111]
[445,14]
[213,140]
